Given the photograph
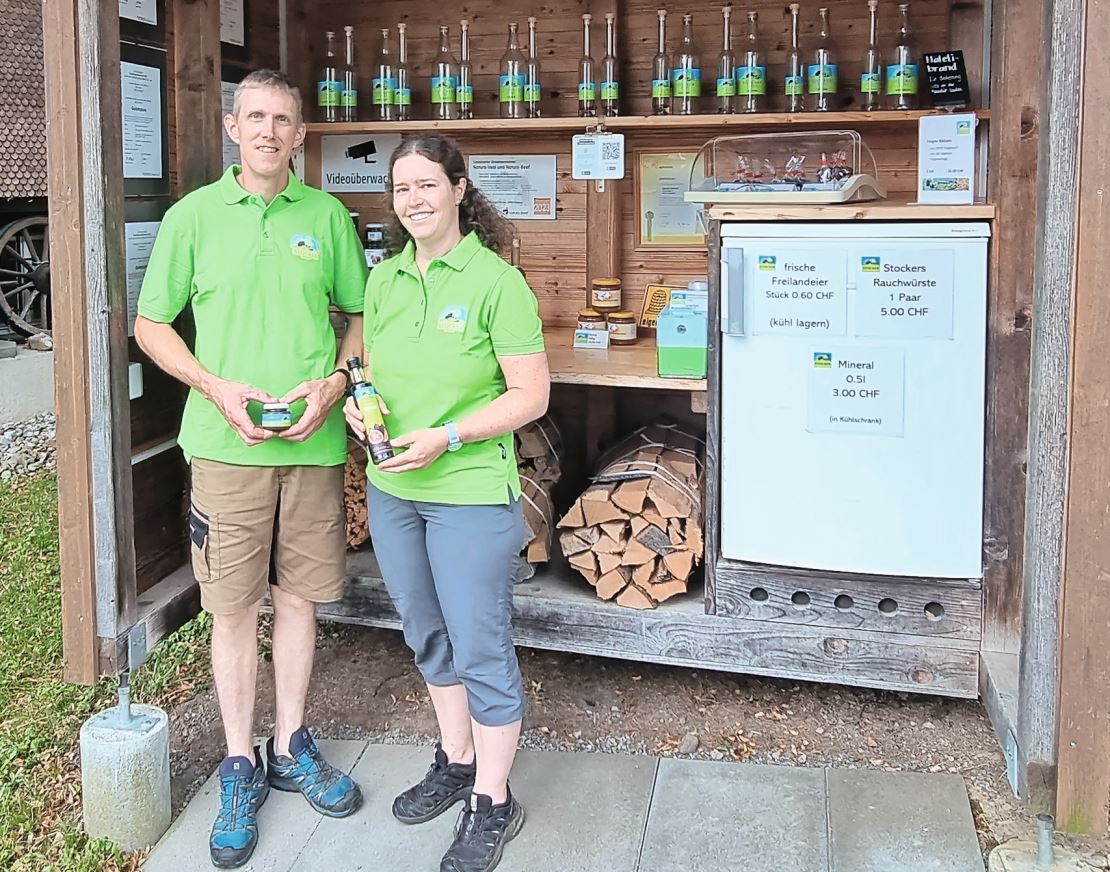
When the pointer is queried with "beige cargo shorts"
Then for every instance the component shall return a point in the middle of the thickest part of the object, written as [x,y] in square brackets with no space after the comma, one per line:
[251,526]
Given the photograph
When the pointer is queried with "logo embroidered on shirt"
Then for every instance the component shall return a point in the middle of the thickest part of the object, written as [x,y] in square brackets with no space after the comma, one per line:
[305,247]
[452,320]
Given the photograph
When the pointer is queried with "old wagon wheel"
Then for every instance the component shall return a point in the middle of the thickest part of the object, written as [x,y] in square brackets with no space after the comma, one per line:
[25,275]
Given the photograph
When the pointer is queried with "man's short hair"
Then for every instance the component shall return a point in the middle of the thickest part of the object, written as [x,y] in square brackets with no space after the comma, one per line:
[268,79]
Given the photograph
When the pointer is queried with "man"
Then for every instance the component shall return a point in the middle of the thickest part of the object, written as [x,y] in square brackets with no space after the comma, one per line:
[259,257]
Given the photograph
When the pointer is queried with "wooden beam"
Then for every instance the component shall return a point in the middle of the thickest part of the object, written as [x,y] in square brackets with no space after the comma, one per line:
[197,91]
[1018,37]
[67,243]
[1083,720]
[1054,276]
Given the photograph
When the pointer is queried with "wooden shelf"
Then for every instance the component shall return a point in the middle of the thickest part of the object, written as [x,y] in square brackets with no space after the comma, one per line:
[713,123]
[633,366]
[879,210]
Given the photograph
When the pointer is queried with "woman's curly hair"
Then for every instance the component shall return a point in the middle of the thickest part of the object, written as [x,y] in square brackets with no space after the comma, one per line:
[476,212]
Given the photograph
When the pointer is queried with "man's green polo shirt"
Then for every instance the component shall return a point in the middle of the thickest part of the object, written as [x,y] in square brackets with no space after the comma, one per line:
[433,344]
[259,279]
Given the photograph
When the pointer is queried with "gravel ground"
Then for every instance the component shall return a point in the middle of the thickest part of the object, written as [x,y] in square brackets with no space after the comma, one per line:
[27,447]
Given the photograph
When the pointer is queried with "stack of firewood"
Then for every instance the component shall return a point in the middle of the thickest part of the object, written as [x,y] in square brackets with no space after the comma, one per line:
[636,533]
[354,495]
[538,449]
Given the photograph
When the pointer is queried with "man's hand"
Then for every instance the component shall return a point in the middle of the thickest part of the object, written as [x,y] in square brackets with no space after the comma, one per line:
[231,399]
[319,395]
[422,447]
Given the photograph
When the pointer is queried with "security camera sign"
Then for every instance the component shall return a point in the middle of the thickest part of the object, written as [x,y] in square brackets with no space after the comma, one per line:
[358,163]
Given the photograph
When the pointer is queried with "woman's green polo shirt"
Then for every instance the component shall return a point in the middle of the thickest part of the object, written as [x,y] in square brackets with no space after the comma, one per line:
[433,344]
[259,279]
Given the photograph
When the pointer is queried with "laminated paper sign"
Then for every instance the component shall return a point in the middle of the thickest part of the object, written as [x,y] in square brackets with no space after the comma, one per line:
[946,159]
[521,186]
[357,163]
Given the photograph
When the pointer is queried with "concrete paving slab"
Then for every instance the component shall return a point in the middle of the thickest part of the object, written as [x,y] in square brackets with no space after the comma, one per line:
[285,824]
[584,813]
[713,817]
[26,386]
[904,821]
[1022,857]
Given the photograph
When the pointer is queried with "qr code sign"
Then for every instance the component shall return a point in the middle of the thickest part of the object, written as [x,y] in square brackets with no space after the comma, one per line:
[610,151]
[541,205]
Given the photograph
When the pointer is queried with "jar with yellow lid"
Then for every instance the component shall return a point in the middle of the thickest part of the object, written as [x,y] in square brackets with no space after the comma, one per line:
[605,294]
[622,328]
[590,319]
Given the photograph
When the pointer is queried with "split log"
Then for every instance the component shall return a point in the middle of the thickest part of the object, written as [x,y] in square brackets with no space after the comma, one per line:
[354,495]
[539,460]
[636,533]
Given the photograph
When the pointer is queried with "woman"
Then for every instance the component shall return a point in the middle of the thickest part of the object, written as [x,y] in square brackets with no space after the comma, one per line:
[455,347]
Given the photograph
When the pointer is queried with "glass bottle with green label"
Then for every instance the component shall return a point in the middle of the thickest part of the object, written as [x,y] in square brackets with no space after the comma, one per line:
[751,75]
[402,97]
[726,67]
[328,86]
[385,82]
[445,78]
[902,73]
[821,75]
[587,80]
[793,80]
[610,81]
[661,72]
[871,79]
[533,86]
[464,94]
[348,94]
[510,90]
[686,73]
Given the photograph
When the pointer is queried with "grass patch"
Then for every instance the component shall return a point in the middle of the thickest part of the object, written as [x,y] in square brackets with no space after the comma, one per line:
[40,715]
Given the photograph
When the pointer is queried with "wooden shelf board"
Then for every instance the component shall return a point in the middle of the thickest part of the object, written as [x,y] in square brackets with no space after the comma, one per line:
[640,122]
[633,366]
[878,210]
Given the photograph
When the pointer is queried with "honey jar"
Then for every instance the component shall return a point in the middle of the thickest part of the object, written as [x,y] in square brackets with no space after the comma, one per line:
[622,328]
[590,319]
[606,294]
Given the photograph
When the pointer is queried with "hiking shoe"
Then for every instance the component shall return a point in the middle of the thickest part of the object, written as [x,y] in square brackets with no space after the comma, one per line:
[481,834]
[327,789]
[243,789]
[443,786]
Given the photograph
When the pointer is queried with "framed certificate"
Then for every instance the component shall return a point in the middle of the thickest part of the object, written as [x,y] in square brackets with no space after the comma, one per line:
[664,218]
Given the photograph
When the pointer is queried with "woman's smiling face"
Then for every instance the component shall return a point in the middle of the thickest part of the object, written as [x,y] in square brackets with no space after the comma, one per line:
[424,199]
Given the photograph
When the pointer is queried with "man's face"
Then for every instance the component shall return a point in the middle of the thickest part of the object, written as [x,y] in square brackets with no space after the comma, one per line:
[266,130]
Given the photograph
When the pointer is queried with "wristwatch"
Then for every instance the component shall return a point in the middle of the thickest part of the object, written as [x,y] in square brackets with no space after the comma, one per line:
[454,443]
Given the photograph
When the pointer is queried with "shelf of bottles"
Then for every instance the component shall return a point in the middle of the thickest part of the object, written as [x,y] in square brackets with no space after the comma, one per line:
[739,95]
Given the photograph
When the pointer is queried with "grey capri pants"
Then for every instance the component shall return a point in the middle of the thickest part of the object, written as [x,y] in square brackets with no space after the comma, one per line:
[449,571]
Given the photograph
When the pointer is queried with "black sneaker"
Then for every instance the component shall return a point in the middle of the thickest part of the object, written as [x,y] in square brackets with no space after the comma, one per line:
[481,834]
[443,786]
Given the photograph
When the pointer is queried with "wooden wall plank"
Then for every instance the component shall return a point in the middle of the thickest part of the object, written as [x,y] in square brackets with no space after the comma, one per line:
[1083,764]
[1015,126]
[61,25]
[196,84]
[1054,276]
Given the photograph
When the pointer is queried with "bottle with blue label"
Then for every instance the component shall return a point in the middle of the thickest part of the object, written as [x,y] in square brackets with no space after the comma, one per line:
[902,83]
[385,82]
[533,85]
[821,74]
[402,96]
[348,94]
[328,85]
[751,75]
[510,84]
[793,80]
[686,73]
[464,93]
[445,79]
[871,78]
[610,81]
[726,68]
[661,72]
[587,78]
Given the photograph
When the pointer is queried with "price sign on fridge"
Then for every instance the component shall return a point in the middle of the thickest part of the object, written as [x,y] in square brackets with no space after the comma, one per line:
[799,292]
[857,390]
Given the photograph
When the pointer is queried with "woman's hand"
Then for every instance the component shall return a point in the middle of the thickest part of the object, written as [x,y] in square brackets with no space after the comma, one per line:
[354,416]
[422,447]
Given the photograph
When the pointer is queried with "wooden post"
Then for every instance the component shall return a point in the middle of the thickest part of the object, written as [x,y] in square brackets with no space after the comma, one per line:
[86,208]
[197,92]
[1083,720]
[1054,275]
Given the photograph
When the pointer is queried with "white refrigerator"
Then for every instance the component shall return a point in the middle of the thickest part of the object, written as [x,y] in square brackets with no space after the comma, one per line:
[852,396]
